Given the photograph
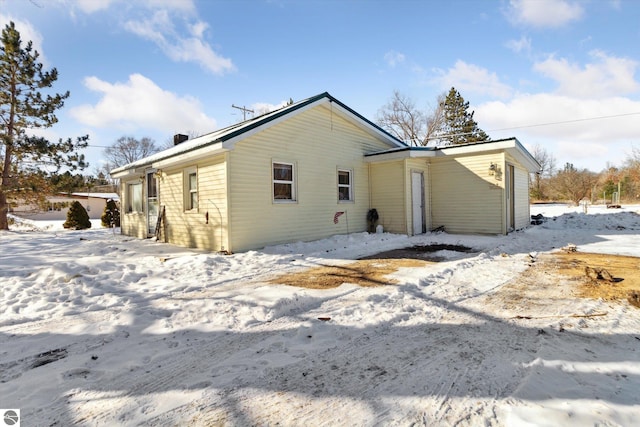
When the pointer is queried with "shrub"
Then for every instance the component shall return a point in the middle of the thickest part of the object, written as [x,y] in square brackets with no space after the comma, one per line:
[77,217]
[111,215]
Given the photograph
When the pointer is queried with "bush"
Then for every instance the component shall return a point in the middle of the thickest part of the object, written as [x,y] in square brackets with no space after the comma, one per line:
[111,215]
[77,217]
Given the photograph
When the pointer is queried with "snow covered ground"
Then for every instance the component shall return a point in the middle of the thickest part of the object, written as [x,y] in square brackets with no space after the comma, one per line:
[101,329]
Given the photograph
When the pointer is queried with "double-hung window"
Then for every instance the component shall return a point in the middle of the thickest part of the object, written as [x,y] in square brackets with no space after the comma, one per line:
[284,188]
[134,197]
[345,185]
[191,189]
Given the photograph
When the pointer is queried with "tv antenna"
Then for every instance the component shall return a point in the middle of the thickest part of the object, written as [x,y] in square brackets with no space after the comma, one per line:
[244,111]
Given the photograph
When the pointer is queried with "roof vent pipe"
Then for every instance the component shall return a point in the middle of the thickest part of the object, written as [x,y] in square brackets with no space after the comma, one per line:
[179,138]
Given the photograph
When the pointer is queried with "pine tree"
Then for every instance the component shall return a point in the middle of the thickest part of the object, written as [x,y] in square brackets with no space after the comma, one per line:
[23,107]
[77,217]
[111,215]
[459,127]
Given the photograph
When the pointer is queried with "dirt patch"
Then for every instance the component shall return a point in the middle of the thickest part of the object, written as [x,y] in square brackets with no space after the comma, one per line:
[421,252]
[616,276]
[366,272]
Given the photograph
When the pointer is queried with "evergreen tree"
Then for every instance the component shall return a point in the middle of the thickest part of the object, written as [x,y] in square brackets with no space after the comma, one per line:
[459,127]
[111,215]
[23,107]
[77,217]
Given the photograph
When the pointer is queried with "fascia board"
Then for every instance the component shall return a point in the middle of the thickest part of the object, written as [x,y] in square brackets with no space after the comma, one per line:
[189,156]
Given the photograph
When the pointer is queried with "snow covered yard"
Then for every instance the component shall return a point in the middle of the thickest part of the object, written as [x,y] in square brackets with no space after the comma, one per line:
[101,329]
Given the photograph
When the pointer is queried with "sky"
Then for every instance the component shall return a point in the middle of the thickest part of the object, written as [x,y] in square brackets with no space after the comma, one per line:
[560,75]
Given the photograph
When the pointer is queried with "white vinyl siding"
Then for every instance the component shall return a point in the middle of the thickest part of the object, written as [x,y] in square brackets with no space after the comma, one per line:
[133,222]
[465,197]
[315,141]
[206,227]
[388,195]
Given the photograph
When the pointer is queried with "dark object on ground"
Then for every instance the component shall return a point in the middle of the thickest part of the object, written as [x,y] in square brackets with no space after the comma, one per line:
[537,219]
[372,220]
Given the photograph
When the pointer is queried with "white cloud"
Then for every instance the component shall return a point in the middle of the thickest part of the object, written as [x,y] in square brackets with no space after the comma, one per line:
[27,33]
[518,46]
[140,104]
[93,6]
[544,13]
[605,77]
[186,48]
[586,132]
[394,58]
[471,78]
[265,107]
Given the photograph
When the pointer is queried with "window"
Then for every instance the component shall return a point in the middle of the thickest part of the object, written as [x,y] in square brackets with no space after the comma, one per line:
[134,197]
[191,190]
[345,185]
[284,188]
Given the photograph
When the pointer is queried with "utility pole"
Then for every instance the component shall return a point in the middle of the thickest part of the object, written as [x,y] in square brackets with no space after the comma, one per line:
[244,111]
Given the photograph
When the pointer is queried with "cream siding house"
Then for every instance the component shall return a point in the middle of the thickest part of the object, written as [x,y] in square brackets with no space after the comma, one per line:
[58,205]
[474,188]
[314,169]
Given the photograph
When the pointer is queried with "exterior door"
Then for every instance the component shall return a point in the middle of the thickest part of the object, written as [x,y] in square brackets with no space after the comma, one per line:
[417,202]
[152,203]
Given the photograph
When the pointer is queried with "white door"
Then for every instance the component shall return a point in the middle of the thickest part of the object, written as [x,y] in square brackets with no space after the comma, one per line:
[417,202]
[152,203]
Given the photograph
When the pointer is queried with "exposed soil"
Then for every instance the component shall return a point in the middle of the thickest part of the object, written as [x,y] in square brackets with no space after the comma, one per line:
[422,252]
[367,273]
[623,273]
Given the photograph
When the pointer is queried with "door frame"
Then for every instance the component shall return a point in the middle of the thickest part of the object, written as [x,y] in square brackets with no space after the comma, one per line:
[510,195]
[418,222]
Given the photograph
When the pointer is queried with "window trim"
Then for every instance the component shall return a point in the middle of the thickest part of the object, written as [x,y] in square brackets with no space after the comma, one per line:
[188,191]
[351,198]
[274,181]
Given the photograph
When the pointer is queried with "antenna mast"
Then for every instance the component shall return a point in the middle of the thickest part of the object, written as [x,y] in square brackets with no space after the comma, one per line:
[244,111]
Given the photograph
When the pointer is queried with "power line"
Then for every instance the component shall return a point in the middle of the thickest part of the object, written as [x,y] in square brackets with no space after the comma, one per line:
[566,121]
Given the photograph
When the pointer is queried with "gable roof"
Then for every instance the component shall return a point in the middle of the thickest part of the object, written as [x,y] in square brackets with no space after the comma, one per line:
[225,138]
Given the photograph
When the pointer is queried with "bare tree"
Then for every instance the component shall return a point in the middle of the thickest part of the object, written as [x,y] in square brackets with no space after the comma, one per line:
[127,150]
[401,118]
[435,120]
[573,184]
[547,167]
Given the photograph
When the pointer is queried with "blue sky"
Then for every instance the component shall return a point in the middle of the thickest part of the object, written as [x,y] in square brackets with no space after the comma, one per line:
[558,73]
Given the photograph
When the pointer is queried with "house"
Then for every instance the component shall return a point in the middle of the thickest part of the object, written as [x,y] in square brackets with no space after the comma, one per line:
[58,206]
[314,169]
